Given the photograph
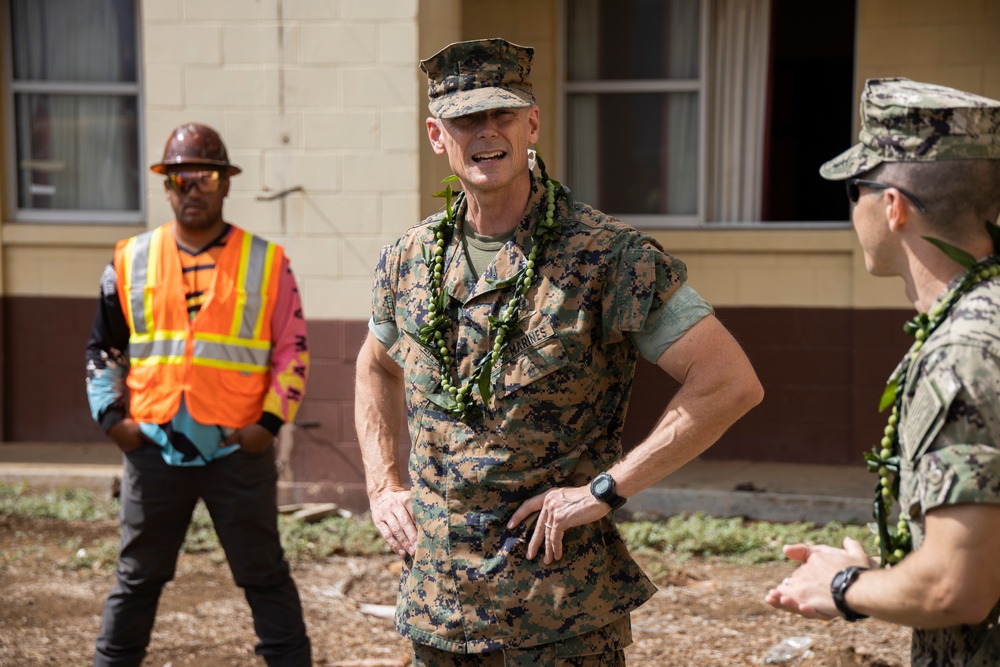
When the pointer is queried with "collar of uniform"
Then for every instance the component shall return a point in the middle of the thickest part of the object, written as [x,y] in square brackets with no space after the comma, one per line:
[953,285]
[459,281]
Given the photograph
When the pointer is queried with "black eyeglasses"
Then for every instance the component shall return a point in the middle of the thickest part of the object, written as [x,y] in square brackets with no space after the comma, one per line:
[181,182]
[854,193]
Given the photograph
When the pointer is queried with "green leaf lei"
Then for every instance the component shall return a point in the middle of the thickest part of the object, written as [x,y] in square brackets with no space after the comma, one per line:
[456,396]
[895,543]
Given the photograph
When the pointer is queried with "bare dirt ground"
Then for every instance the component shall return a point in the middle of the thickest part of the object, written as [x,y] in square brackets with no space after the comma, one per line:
[706,612]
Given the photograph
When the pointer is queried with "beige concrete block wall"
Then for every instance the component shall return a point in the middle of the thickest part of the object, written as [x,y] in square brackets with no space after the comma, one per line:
[951,43]
[309,96]
[315,96]
[326,95]
[63,260]
[814,268]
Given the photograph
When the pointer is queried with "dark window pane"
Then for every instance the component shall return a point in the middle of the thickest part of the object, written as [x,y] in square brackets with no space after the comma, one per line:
[633,39]
[812,85]
[634,154]
[74,40]
[77,152]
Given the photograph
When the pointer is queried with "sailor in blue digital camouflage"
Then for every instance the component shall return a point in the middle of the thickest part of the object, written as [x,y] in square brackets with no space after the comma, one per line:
[925,181]
[509,326]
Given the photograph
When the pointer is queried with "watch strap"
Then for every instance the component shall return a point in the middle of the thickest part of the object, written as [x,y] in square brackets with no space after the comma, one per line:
[838,588]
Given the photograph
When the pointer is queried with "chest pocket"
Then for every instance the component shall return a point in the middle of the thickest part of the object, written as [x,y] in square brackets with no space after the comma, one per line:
[536,355]
[421,370]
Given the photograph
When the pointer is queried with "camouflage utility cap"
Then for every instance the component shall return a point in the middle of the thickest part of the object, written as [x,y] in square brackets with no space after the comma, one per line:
[467,77]
[909,121]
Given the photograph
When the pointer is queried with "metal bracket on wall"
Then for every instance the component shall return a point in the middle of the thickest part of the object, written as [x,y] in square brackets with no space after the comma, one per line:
[280,194]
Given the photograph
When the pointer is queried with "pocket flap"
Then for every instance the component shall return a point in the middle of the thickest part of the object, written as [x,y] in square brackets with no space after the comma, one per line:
[536,354]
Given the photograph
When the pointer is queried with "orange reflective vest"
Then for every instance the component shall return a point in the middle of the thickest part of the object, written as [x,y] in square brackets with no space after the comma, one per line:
[221,361]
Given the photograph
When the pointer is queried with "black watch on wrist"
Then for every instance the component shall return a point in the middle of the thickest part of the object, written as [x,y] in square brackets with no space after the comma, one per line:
[603,488]
[838,587]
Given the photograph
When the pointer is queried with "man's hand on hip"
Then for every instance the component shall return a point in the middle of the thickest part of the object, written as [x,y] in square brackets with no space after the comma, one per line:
[392,514]
[559,509]
[126,435]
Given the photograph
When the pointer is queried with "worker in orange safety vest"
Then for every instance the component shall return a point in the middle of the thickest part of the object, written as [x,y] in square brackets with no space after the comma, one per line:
[197,357]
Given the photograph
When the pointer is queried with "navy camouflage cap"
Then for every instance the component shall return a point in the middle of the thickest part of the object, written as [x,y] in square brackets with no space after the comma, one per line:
[909,121]
[466,77]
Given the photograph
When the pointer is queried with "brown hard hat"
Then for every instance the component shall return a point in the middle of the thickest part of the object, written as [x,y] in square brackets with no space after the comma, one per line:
[195,144]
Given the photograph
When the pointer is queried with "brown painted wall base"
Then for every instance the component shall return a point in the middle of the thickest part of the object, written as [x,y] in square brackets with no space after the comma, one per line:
[823,371]
[44,380]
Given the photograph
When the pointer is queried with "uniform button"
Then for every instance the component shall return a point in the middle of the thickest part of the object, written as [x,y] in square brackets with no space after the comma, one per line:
[935,476]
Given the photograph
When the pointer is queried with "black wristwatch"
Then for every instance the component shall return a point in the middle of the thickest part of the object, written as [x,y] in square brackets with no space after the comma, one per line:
[838,587]
[603,488]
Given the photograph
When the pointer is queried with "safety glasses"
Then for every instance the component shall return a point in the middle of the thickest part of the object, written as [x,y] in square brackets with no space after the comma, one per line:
[181,182]
[854,193]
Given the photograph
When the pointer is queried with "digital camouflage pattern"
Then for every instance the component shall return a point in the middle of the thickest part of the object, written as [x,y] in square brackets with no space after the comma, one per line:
[950,448]
[909,121]
[604,647]
[555,418]
[466,77]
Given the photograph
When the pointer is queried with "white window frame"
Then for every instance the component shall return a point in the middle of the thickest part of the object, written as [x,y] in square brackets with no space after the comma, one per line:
[564,88]
[11,88]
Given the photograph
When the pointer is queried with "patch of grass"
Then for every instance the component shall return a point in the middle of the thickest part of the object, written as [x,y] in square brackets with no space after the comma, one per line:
[665,571]
[21,556]
[102,555]
[332,536]
[301,541]
[64,504]
[679,537]
[734,539]
[201,537]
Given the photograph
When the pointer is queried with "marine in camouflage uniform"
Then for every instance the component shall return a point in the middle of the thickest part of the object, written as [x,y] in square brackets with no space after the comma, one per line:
[950,434]
[601,294]
[949,412]
[559,399]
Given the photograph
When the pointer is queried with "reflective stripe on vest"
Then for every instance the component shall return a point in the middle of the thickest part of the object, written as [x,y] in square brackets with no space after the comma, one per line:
[225,352]
[162,347]
[138,266]
[256,259]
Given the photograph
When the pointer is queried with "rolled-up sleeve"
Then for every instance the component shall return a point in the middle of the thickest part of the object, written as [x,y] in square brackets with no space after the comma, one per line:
[667,324]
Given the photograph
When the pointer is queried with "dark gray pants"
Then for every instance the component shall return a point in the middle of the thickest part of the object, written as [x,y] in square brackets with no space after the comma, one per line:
[157,500]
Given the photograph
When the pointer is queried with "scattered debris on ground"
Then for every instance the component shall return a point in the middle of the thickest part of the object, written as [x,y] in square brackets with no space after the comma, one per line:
[55,574]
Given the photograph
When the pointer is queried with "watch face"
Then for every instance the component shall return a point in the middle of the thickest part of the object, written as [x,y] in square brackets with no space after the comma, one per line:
[602,485]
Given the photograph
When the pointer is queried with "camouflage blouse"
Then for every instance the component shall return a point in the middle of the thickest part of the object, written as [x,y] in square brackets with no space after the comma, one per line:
[950,448]
[555,417]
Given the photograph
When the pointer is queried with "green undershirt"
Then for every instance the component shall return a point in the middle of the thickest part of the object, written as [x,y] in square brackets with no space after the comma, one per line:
[481,249]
